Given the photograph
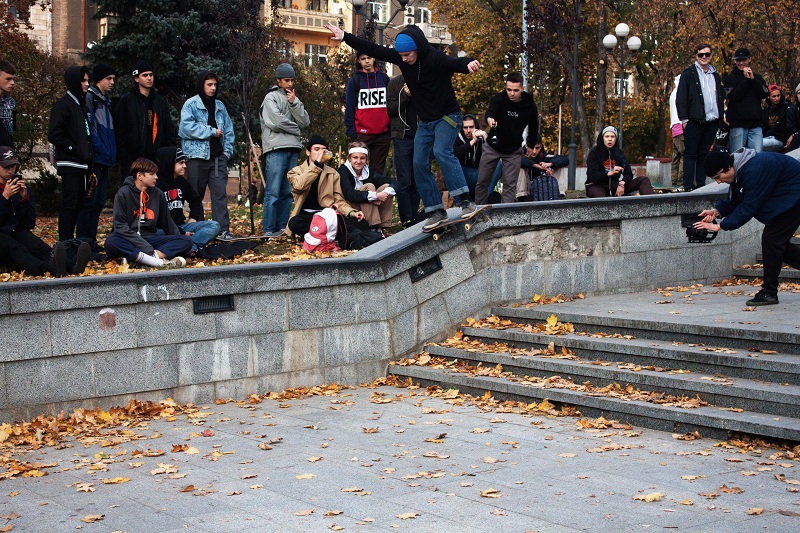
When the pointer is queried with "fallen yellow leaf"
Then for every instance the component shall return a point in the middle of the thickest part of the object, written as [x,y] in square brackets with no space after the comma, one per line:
[652,497]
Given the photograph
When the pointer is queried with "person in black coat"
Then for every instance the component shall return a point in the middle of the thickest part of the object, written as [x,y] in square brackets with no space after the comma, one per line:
[608,172]
[779,122]
[746,92]
[142,122]
[68,132]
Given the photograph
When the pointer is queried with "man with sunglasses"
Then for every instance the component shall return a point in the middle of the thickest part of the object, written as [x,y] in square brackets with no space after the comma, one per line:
[699,101]
[746,92]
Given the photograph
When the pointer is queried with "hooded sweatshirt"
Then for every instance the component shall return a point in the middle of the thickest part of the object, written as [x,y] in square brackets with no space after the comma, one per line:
[200,118]
[767,184]
[142,125]
[512,119]
[779,121]
[68,131]
[365,109]
[139,214]
[429,78]
[744,99]
[176,189]
[601,160]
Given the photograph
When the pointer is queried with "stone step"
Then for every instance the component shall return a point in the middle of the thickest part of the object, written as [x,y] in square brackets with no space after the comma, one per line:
[750,395]
[789,275]
[779,368]
[709,421]
[741,337]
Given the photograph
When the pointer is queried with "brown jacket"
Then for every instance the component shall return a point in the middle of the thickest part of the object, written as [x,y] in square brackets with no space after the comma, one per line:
[330,191]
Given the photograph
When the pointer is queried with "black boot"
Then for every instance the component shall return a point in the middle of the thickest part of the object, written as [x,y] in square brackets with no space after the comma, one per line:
[82,256]
[58,261]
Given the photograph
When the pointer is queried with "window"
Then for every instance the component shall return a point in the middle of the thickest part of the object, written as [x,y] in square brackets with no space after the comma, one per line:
[622,82]
[318,5]
[380,8]
[286,4]
[423,15]
[316,54]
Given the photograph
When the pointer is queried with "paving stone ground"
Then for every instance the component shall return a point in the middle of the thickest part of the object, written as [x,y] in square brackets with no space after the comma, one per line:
[550,476]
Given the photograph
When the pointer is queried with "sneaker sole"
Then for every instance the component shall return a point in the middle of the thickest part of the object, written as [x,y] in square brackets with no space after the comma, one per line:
[751,303]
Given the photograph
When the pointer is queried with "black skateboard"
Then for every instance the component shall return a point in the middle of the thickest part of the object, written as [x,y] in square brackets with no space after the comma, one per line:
[481,213]
[247,238]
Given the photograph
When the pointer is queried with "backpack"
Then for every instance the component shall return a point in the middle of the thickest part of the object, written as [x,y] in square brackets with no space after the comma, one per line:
[321,234]
[543,188]
[360,235]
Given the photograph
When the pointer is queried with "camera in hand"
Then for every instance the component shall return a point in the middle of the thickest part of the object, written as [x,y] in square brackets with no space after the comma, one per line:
[491,138]
[697,234]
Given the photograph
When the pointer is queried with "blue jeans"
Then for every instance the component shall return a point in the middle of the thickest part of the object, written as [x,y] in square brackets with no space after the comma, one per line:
[745,138]
[435,139]
[89,215]
[170,245]
[204,231]
[278,194]
[407,195]
[471,177]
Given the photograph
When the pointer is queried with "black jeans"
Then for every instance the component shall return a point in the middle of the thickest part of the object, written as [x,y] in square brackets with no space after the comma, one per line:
[697,140]
[777,248]
[73,193]
[25,251]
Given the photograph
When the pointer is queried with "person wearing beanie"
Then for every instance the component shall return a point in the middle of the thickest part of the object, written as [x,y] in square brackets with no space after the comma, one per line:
[104,145]
[794,144]
[608,172]
[19,248]
[207,133]
[699,102]
[746,92]
[282,115]
[142,122]
[764,186]
[366,119]
[428,73]
[177,192]
[69,133]
[779,122]
[316,186]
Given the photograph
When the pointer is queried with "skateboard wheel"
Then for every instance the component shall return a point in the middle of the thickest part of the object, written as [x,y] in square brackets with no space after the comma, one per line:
[436,236]
[467,227]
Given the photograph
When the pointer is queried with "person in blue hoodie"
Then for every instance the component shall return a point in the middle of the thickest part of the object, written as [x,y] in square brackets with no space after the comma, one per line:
[608,172]
[70,135]
[207,133]
[365,114]
[428,73]
[177,191]
[104,145]
[764,186]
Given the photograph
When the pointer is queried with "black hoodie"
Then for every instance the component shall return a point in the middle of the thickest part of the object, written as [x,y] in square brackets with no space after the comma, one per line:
[132,129]
[779,121]
[601,160]
[430,77]
[512,119]
[68,131]
[744,99]
[176,190]
[211,107]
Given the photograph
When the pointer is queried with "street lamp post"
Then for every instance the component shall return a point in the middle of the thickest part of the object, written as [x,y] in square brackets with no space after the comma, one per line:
[358,4]
[573,147]
[627,51]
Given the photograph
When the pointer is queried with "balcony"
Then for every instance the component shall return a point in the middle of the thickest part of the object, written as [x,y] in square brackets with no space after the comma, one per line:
[305,20]
[436,34]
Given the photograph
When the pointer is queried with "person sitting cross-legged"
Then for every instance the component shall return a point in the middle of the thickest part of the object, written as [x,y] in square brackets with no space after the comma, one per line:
[365,190]
[140,209]
[173,183]
[608,172]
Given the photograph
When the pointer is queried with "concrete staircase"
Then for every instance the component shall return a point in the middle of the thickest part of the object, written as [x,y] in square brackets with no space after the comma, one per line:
[788,274]
[746,390]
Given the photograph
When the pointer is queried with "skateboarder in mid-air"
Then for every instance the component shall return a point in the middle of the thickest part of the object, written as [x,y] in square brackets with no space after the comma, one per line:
[428,73]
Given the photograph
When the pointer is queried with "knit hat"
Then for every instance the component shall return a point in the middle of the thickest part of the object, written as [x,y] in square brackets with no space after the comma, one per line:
[797,89]
[102,71]
[717,162]
[141,66]
[316,139]
[612,129]
[180,156]
[741,53]
[404,43]
[7,157]
[284,70]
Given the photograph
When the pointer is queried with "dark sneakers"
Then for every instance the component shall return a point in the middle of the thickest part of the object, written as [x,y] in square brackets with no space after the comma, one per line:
[468,208]
[436,219]
[762,298]
[58,261]
[82,257]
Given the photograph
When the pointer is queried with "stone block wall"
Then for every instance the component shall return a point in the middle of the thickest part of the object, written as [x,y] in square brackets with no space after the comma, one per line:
[99,341]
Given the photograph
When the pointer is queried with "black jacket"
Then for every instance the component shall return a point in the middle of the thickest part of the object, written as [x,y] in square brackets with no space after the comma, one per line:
[601,160]
[68,131]
[176,190]
[401,110]
[16,213]
[744,99]
[130,126]
[430,77]
[468,155]
[689,98]
[779,121]
[512,118]
[348,183]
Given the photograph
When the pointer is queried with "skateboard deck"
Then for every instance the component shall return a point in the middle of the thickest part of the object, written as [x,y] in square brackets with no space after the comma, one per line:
[667,190]
[481,214]
[246,238]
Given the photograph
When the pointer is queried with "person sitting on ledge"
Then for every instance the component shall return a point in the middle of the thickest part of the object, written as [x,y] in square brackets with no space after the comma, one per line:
[316,186]
[19,247]
[608,172]
[140,209]
[366,190]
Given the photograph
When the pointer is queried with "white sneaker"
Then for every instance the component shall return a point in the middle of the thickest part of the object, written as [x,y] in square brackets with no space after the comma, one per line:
[175,262]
